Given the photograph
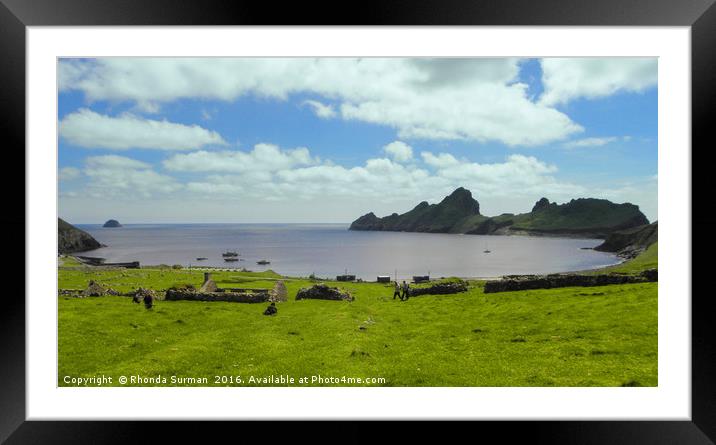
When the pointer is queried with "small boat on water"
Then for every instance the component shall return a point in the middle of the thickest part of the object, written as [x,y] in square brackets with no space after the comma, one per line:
[230,254]
[201,258]
[231,259]
[486,249]
[263,262]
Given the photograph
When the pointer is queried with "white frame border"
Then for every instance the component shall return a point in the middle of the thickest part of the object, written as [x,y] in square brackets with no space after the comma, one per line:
[671,400]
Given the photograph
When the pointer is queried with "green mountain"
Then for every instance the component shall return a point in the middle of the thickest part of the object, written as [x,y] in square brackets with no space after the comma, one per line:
[71,239]
[446,217]
[460,213]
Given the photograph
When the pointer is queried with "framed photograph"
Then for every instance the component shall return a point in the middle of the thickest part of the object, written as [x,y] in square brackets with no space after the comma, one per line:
[228,221]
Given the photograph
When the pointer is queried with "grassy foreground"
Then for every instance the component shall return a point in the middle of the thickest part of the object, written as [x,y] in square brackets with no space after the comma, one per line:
[595,336]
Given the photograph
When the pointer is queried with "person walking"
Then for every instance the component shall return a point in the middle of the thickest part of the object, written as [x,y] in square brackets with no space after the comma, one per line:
[396,293]
[406,291]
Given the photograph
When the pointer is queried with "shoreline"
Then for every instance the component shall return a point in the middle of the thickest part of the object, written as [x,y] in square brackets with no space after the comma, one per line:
[245,270]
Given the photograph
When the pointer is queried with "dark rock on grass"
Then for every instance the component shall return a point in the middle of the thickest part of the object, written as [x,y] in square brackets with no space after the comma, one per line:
[323,292]
[271,309]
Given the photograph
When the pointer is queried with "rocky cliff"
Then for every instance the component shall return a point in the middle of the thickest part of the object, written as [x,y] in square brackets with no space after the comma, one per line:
[71,239]
[460,213]
[447,216]
[629,243]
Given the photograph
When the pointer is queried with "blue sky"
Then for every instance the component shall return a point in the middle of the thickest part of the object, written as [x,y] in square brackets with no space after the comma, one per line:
[327,140]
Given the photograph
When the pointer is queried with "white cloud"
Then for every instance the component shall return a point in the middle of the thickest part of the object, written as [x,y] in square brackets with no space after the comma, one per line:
[119,177]
[321,110]
[88,129]
[566,79]
[115,162]
[263,157]
[440,161]
[455,99]
[595,142]
[69,173]
[273,184]
[399,151]
[284,175]
[518,175]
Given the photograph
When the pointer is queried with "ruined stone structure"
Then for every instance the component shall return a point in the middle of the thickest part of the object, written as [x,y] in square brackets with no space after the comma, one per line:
[95,289]
[208,285]
[323,292]
[209,291]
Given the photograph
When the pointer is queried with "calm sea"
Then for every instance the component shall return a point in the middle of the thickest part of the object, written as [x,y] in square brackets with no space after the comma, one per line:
[327,250]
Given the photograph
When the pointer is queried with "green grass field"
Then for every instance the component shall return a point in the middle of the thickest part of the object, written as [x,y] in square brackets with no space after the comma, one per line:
[586,336]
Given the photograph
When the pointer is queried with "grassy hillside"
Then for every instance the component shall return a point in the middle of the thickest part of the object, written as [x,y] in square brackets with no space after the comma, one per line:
[600,336]
[649,259]
[580,215]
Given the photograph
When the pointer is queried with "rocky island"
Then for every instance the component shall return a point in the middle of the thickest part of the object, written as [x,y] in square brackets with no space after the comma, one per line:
[112,223]
[71,239]
[460,213]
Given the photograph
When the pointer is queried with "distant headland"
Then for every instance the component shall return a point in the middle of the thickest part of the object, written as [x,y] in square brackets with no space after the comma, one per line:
[460,213]
[70,239]
[112,223]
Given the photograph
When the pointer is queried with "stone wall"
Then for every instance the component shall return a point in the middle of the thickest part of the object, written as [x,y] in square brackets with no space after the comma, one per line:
[450,287]
[279,292]
[236,297]
[526,282]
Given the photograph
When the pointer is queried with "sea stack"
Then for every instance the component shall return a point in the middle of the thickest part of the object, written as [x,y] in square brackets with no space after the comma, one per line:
[112,223]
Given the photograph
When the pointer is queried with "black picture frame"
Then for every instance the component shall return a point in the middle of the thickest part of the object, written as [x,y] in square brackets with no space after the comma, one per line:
[700,15]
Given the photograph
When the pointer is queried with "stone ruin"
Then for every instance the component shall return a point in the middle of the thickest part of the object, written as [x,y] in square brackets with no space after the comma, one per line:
[323,292]
[209,291]
[439,288]
[95,289]
[527,282]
